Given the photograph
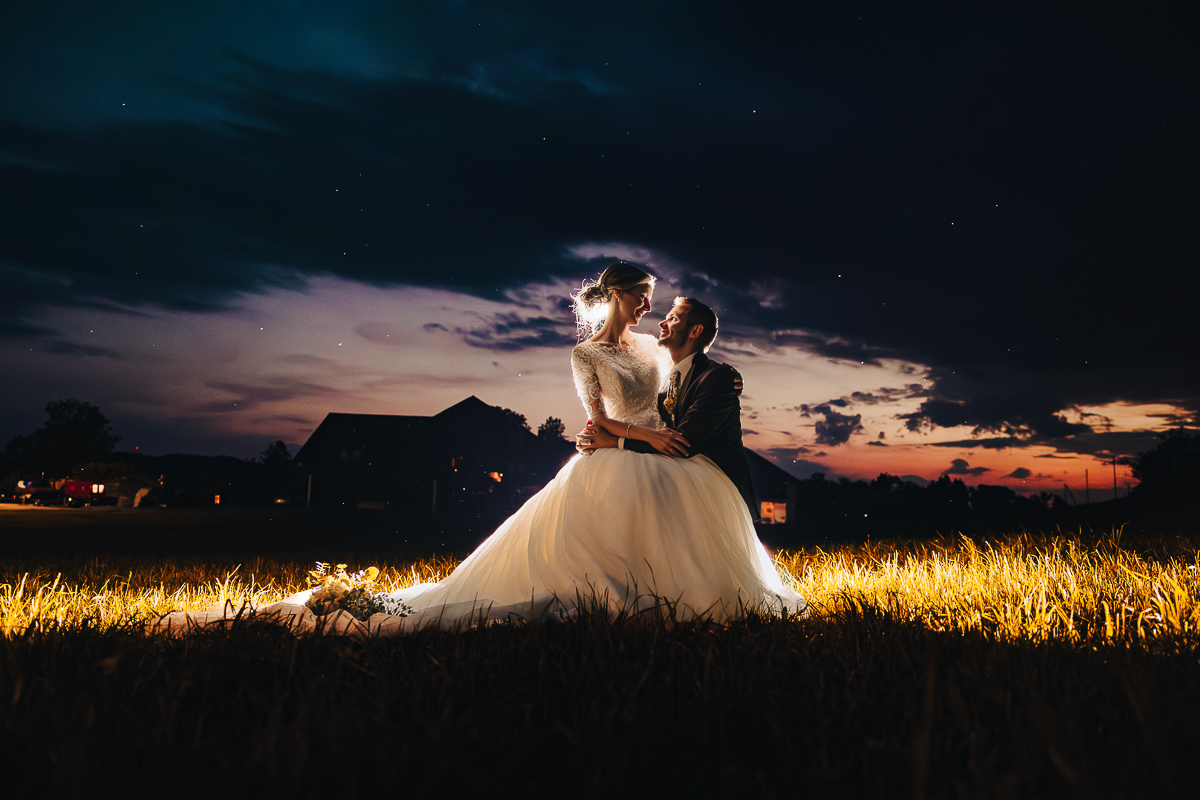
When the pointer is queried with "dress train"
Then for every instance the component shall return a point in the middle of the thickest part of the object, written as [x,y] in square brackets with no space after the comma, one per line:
[621,531]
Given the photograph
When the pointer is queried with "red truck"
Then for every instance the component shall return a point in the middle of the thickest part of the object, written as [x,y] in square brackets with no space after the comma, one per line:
[82,493]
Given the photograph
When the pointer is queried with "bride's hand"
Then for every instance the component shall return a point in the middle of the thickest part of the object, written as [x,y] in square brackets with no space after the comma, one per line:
[668,442]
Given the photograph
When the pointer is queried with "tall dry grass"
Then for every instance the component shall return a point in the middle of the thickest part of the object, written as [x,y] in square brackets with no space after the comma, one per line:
[1023,587]
[1019,666]
[126,591]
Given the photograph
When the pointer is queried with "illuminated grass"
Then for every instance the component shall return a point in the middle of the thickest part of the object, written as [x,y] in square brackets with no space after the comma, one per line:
[96,595]
[945,669]
[1022,587]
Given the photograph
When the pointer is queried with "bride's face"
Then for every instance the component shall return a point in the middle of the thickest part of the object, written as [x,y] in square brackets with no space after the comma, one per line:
[634,303]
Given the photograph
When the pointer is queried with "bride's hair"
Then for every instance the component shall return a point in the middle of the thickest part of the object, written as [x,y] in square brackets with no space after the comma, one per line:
[591,301]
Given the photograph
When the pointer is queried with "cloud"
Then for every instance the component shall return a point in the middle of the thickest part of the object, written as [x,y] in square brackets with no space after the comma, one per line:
[1089,442]
[391,148]
[786,459]
[13,328]
[887,395]
[247,397]
[992,443]
[835,348]
[508,331]
[1026,411]
[1186,419]
[1103,443]
[876,397]
[1020,473]
[289,419]
[64,348]
[836,428]
[959,466]
[386,333]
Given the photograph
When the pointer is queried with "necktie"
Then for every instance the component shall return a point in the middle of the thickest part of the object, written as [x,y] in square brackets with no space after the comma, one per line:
[672,398]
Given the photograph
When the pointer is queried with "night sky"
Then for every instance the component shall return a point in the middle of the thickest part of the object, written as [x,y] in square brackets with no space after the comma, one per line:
[940,240]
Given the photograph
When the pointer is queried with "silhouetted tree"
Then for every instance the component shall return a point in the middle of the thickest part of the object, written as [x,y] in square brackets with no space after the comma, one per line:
[991,500]
[75,434]
[276,455]
[949,494]
[517,418]
[885,483]
[552,428]
[1170,469]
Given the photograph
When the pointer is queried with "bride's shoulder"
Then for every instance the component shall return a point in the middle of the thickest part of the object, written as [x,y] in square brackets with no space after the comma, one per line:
[647,341]
[582,351]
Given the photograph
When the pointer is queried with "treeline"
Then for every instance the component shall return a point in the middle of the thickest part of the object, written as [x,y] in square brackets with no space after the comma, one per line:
[889,496]
[76,443]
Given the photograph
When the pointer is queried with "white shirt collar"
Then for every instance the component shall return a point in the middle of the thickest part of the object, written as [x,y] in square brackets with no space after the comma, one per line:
[684,367]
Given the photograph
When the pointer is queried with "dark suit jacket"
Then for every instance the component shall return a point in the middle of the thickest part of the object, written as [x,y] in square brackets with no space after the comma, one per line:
[709,416]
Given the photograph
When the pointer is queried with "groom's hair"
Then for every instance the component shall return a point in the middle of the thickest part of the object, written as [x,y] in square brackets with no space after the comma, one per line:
[700,314]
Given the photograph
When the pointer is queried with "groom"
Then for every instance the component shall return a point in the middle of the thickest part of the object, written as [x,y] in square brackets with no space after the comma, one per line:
[701,400]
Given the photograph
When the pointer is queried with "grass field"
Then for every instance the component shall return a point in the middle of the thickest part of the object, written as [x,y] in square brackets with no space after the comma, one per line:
[1021,665]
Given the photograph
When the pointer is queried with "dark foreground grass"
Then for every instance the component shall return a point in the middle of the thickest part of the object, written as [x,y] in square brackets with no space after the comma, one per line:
[857,704]
[887,691]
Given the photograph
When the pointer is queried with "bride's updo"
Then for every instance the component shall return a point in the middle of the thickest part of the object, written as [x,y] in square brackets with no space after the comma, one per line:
[591,302]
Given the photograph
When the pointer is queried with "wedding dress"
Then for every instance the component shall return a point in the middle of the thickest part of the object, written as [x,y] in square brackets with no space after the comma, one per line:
[622,531]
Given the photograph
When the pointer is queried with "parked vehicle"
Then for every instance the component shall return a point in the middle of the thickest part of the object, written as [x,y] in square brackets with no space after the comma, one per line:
[39,493]
[84,493]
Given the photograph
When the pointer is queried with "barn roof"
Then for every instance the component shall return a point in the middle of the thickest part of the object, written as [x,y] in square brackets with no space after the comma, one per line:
[470,420]
[385,431]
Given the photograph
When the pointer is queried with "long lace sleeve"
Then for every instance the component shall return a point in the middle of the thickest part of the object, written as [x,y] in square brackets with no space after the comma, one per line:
[587,384]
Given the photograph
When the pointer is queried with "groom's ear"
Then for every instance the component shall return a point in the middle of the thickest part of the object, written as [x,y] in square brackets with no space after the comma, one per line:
[696,331]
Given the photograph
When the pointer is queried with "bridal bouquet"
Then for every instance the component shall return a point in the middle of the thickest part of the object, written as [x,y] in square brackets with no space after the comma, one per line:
[338,590]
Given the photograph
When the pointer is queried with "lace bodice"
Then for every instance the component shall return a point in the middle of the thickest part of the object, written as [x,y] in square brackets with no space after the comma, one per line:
[620,382]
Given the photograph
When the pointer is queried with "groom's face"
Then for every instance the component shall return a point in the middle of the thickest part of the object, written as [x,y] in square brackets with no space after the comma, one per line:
[673,330]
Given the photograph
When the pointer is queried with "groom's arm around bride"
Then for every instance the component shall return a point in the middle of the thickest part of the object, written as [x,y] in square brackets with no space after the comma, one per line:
[701,401]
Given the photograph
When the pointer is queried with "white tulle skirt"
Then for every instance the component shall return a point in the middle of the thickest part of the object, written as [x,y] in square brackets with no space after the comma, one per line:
[622,531]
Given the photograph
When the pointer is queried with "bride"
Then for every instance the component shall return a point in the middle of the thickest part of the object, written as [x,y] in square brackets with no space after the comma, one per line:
[615,529]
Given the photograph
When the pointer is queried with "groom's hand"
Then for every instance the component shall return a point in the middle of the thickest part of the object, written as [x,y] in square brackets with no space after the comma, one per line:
[593,438]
